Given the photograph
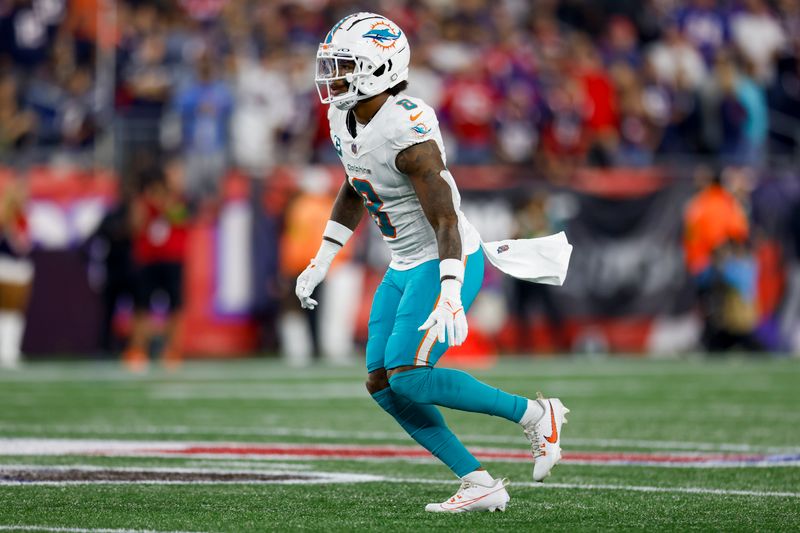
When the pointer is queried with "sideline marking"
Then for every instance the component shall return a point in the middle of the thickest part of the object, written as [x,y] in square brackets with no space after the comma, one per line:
[20,475]
[386,435]
[240,450]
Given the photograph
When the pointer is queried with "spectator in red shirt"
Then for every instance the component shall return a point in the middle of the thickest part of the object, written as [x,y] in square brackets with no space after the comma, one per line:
[597,86]
[468,109]
[159,221]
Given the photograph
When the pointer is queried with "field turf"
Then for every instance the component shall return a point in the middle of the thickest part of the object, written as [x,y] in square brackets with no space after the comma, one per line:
[253,445]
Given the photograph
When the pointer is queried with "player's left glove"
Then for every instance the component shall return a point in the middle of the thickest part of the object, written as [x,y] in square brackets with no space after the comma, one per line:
[448,317]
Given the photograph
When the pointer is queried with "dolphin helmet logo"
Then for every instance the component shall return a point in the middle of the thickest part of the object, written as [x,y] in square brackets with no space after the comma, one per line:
[383,35]
[421,129]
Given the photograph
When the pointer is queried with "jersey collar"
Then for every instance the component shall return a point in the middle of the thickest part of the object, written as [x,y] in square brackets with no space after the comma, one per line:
[350,118]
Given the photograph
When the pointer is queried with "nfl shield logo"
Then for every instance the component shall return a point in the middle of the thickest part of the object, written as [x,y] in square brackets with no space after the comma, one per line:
[354,148]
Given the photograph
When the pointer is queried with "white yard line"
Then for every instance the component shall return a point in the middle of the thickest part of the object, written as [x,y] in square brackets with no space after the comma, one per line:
[164,470]
[680,490]
[303,478]
[629,488]
[345,477]
[642,444]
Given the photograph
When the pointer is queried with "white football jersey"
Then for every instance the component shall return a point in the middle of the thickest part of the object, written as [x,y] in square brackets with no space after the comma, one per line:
[390,198]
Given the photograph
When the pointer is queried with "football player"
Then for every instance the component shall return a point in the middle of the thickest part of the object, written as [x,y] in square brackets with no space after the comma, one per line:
[393,155]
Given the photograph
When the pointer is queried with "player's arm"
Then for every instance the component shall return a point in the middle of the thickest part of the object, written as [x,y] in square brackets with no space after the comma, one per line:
[423,165]
[348,208]
[347,212]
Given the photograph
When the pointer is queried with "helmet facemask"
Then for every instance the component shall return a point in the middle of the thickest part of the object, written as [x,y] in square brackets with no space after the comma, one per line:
[338,76]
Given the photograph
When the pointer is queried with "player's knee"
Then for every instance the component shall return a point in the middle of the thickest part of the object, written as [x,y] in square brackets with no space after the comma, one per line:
[377,381]
[410,385]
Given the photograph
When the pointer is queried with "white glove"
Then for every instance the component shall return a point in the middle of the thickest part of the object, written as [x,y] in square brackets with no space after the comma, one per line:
[448,317]
[334,238]
[308,280]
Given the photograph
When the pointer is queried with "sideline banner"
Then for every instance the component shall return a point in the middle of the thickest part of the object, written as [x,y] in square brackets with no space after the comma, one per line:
[628,258]
[626,269]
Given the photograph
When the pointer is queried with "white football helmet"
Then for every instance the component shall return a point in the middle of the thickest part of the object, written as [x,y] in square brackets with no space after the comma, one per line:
[363,55]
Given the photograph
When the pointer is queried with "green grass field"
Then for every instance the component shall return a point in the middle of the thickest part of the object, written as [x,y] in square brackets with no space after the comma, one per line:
[651,445]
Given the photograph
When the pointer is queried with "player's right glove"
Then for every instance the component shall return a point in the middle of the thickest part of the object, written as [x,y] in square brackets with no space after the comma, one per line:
[448,319]
[333,239]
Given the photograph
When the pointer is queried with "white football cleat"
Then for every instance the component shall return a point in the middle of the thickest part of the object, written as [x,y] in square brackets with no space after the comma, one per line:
[545,436]
[474,497]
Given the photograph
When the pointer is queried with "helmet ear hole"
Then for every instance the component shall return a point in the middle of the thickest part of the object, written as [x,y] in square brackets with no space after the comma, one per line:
[382,68]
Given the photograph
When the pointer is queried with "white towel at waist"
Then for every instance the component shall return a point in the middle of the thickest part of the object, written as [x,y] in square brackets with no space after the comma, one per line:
[542,260]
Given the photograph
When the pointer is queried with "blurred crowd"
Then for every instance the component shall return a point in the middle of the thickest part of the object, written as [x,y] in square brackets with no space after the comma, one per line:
[556,83]
[177,93]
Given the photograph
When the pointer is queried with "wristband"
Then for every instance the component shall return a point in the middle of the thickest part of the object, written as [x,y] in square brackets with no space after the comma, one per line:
[451,269]
[336,233]
[333,239]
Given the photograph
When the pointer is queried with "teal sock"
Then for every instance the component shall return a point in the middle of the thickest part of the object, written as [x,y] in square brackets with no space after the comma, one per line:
[426,425]
[457,390]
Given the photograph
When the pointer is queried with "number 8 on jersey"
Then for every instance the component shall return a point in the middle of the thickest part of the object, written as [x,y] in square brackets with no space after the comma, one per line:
[373,203]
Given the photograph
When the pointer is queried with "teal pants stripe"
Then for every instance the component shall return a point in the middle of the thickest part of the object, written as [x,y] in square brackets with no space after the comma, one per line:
[402,303]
